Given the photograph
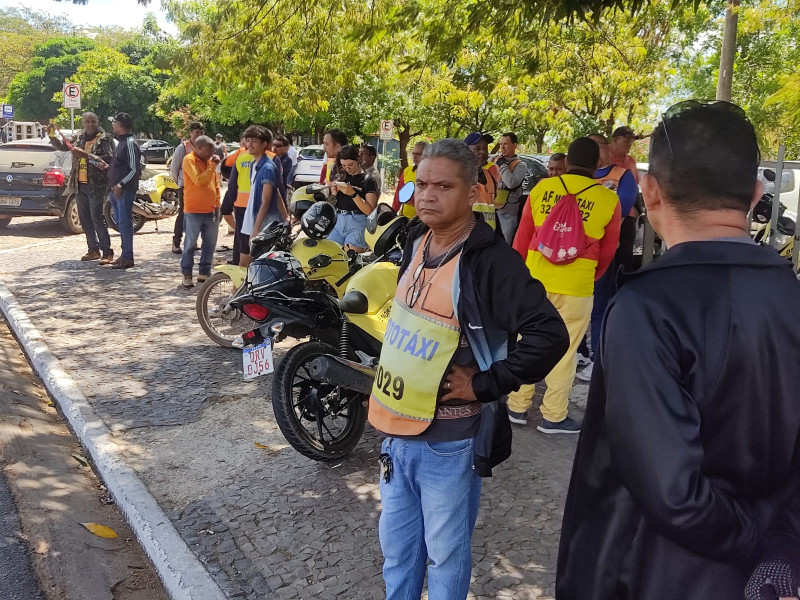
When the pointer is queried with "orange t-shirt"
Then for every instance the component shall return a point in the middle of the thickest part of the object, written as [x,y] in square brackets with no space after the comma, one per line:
[200,185]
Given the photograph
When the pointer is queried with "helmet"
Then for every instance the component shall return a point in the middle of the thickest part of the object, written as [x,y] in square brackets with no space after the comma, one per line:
[267,240]
[319,220]
[279,271]
[304,197]
[383,229]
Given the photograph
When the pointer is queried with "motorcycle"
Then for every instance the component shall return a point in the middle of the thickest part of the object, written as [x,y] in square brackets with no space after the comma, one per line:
[156,198]
[222,321]
[321,387]
[762,217]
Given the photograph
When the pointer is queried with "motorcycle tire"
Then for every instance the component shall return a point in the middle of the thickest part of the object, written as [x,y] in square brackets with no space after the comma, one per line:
[292,374]
[203,316]
[108,213]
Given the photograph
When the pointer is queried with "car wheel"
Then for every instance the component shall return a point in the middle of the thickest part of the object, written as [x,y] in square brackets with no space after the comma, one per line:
[4,221]
[166,156]
[71,222]
[143,160]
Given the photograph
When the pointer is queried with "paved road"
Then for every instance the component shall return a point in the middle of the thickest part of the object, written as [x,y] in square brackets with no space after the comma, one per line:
[17,580]
[263,519]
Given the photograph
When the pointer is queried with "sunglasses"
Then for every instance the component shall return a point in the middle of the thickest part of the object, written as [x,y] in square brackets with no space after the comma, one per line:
[681,108]
[417,285]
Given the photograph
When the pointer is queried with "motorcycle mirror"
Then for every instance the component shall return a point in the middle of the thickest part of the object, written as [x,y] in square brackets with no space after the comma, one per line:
[406,192]
[320,261]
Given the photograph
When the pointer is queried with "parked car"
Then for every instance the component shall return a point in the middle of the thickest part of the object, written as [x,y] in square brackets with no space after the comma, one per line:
[155,151]
[309,165]
[537,170]
[32,181]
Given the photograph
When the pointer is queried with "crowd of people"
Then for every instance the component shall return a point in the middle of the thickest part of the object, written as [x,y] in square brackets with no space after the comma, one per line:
[686,482]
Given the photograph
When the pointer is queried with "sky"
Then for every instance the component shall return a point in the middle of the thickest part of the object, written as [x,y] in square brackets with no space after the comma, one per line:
[124,13]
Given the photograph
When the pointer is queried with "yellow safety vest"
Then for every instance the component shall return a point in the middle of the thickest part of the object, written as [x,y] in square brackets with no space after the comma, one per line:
[501,198]
[329,169]
[243,162]
[418,348]
[484,204]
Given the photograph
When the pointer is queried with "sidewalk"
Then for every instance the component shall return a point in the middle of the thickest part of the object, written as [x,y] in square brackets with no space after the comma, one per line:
[267,523]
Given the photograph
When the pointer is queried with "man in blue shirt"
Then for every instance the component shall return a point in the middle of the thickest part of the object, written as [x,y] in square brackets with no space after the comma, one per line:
[622,181]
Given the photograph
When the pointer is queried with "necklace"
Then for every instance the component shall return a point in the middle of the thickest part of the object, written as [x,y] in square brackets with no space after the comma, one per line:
[415,291]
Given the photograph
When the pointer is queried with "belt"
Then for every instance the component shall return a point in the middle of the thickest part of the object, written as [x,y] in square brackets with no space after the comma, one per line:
[458,412]
[348,212]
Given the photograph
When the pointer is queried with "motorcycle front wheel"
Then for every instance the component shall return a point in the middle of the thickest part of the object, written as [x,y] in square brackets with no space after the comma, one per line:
[321,421]
[211,300]
[108,213]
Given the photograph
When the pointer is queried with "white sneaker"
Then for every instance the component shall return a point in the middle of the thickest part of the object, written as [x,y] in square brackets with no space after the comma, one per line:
[586,374]
[583,360]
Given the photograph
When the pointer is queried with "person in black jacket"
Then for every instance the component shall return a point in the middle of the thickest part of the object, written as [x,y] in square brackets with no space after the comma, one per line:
[124,172]
[468,325]
[685,483]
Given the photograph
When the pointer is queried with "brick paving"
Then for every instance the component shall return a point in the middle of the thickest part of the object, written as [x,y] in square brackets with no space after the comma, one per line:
[265,521]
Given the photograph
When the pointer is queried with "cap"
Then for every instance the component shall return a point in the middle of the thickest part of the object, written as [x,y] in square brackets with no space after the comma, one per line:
[477,136]
[219,136]
[124,119]
[623,131]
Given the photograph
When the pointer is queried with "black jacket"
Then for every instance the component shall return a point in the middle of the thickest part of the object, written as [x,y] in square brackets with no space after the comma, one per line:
[499,301]
[125,167]
[690,451]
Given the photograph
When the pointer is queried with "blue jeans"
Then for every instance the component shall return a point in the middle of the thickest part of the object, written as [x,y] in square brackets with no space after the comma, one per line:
[196,225]
[123,215]
[349,229]
[429,510]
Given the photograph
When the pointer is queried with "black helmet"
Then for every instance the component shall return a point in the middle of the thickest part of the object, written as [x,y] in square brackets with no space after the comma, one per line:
[278,271]
[762,211]
[319,220]
[269,239]
[383,229]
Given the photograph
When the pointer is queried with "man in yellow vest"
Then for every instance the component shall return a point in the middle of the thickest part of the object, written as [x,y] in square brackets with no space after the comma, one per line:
[446,362]
[409,175]
[237,196]
[488,178]
[569,286]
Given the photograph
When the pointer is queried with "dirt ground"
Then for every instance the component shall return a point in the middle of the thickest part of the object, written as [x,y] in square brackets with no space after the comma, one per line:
[55,493]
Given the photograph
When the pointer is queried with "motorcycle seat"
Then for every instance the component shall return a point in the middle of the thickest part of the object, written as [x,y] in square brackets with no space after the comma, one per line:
[354,302]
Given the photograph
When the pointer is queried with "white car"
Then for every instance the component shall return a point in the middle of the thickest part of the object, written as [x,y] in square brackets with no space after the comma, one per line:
[309,165]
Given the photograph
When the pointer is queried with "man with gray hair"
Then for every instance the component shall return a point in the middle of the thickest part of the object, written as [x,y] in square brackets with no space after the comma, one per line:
[462,298]
[201,199]
[91,150]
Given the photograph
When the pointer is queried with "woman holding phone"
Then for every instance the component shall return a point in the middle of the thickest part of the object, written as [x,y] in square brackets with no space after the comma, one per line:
[356,197]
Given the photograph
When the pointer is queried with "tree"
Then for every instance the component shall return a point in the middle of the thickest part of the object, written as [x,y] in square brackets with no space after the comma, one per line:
[52,64]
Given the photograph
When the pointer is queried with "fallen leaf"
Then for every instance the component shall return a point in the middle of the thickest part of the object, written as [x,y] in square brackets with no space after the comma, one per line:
[100,530]
[80,459]
[17,392]
[262,446]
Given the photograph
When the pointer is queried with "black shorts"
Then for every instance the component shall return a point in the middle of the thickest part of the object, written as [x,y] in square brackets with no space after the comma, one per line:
[244,244]
[227,204]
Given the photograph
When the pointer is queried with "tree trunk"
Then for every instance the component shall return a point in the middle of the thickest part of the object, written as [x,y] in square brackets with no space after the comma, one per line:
[540,141]
[404,135]
[319,133]
[728,53]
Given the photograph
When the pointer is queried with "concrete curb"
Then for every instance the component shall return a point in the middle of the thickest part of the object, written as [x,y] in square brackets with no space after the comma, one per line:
[183,575]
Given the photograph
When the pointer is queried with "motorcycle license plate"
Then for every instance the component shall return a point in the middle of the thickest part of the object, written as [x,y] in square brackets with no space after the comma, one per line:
[257,361]
[8,201]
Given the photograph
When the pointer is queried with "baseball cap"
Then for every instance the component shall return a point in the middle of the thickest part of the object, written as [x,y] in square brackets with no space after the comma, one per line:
[477,136]
[623,131]
[124,119]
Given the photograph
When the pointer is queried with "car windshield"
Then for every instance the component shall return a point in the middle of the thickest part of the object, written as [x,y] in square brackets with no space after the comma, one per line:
[318,153]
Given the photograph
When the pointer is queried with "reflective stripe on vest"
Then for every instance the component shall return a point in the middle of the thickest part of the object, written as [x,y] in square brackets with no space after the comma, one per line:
[418,348]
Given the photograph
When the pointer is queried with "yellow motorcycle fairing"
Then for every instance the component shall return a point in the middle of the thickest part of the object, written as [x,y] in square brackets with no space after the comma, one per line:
[163,181]
[378,282]
[304,249]
[235,272]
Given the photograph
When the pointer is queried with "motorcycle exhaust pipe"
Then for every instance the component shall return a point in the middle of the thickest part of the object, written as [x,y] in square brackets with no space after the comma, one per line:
[342,373]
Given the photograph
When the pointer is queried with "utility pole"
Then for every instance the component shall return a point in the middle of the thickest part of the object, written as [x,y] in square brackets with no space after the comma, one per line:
[728,53]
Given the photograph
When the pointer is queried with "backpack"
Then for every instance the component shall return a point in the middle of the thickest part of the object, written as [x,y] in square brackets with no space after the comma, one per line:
[561,237]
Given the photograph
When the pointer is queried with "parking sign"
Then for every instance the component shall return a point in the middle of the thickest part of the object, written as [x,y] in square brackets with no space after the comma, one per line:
[387,130]
[72,95]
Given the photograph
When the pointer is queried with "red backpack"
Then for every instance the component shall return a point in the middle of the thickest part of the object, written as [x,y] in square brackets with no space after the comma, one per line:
[561,237]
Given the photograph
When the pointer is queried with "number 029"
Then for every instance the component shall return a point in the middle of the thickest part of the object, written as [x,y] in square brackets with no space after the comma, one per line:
[391,386]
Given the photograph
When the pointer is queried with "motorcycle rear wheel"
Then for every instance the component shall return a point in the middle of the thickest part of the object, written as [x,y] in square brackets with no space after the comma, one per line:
[212,297]
[108,213]
[304,416]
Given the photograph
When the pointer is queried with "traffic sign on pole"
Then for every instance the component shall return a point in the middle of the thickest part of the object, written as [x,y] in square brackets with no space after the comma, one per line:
[8,111]
[387,130]
[72,95]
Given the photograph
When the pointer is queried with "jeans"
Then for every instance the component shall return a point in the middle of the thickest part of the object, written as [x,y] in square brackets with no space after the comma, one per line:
[349,229]
[177,232]
[576,312]
[90,213]
[429,510]
[123,215]
[196,225]
[508,225]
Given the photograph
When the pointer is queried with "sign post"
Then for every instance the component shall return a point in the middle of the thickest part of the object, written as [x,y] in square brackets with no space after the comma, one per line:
[72,99]
[387,132]
[8,111]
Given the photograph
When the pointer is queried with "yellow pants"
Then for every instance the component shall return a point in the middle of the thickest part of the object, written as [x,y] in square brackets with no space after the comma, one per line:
[576,312]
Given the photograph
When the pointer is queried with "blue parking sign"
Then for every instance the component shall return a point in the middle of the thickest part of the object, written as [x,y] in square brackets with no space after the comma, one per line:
[8,111]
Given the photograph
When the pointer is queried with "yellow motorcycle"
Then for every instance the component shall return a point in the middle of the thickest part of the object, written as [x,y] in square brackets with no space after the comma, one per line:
[156,198]
[321,386]
[784,237]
